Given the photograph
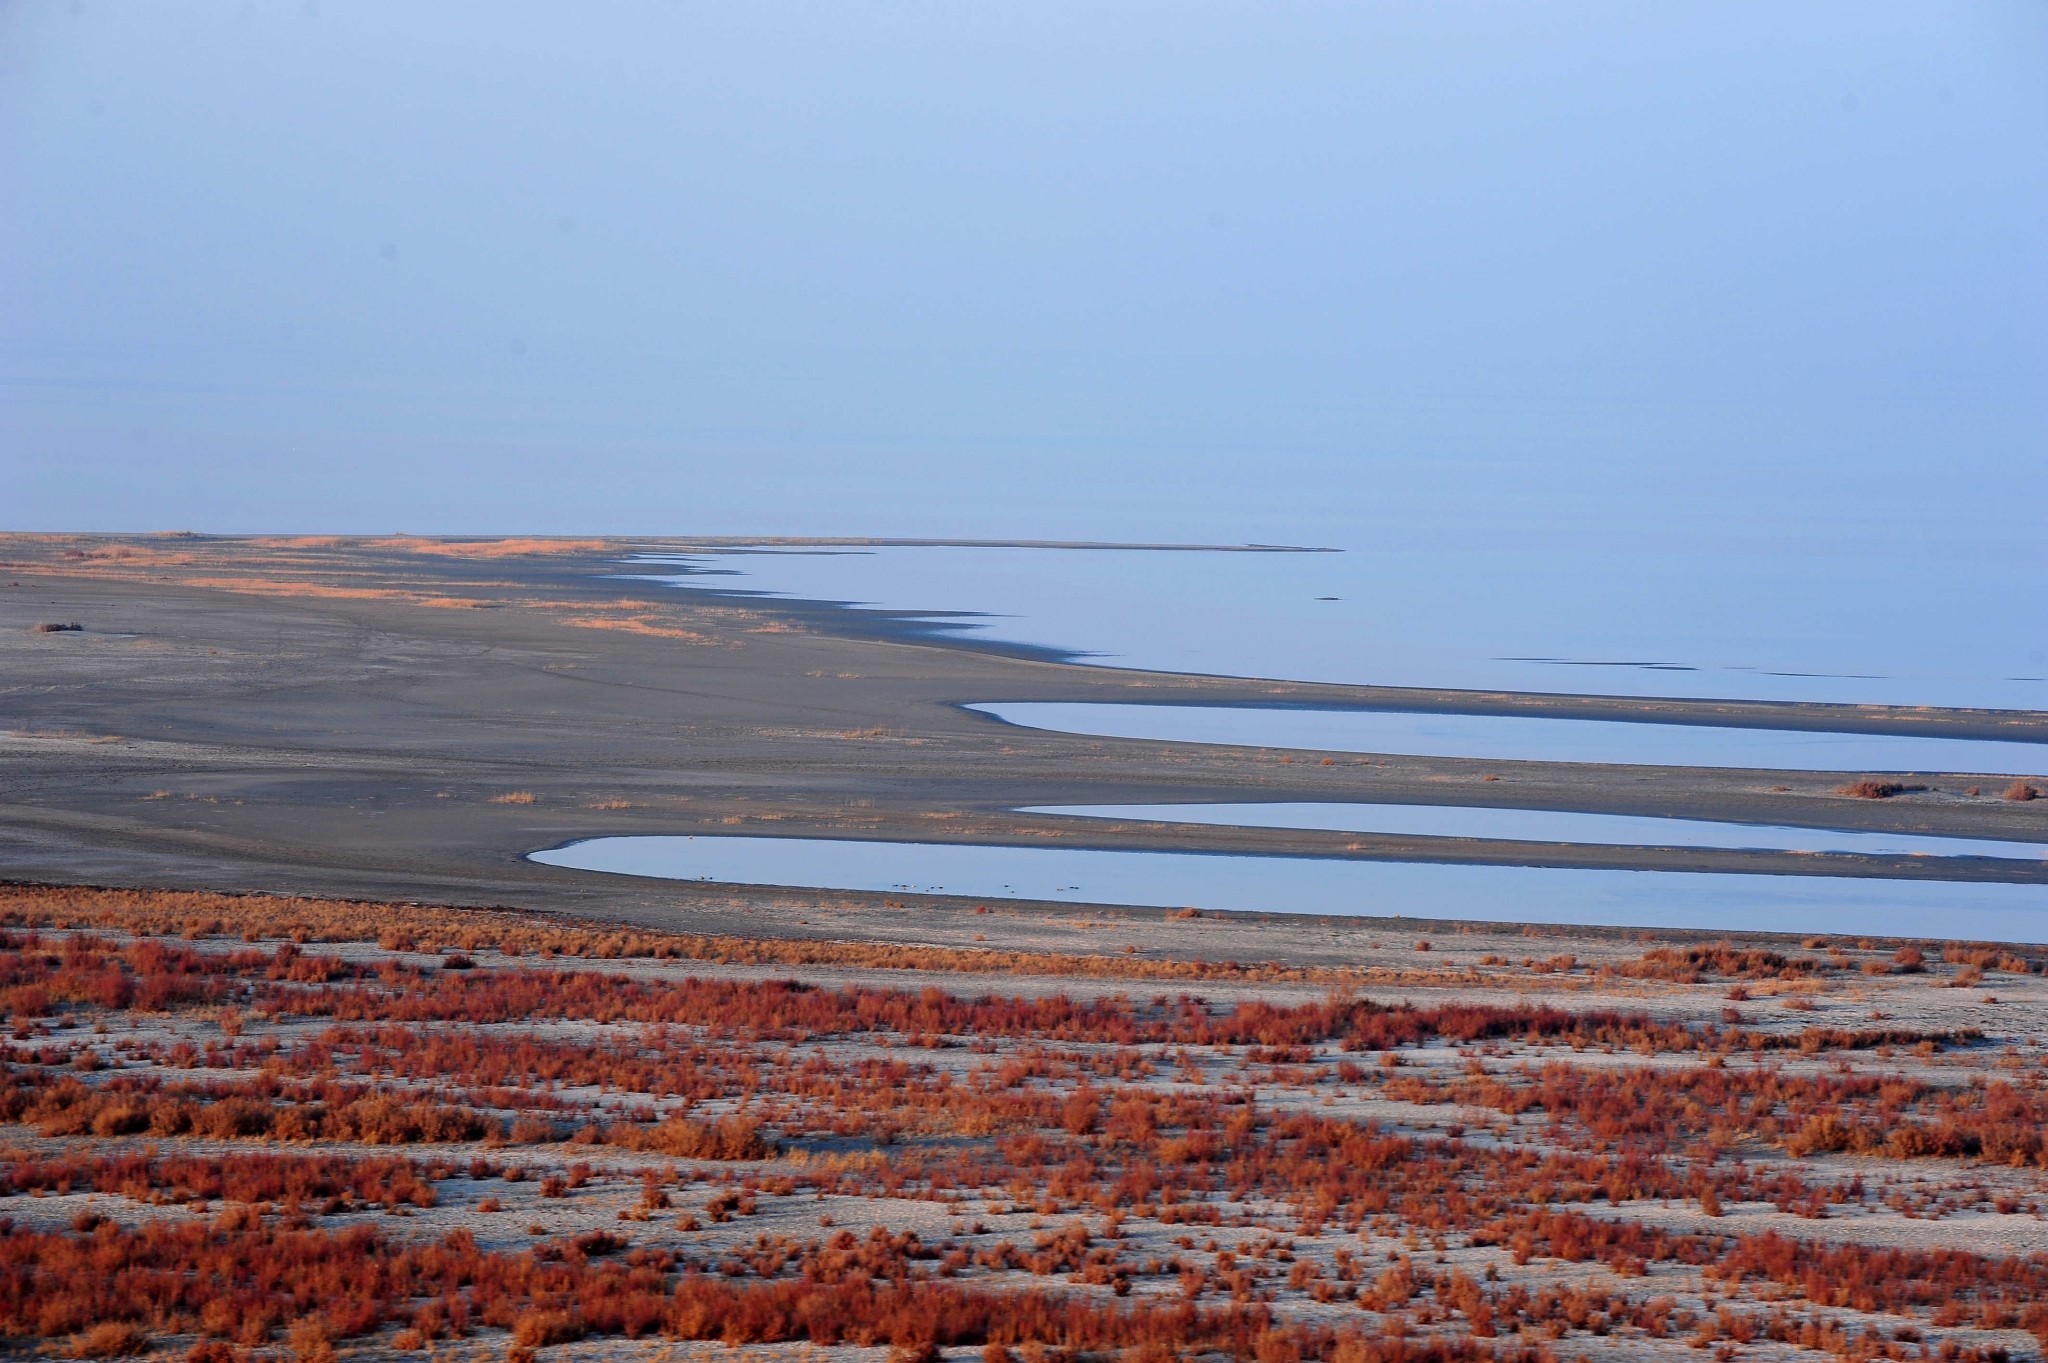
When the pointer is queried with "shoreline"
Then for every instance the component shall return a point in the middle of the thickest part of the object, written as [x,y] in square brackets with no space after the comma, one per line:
[890,624]
[352,717]
[1248,840]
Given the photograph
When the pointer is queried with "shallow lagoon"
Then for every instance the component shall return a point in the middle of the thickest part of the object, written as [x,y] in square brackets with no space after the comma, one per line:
[1548,825]
[1649,899]
[1765,625]
[1528,738]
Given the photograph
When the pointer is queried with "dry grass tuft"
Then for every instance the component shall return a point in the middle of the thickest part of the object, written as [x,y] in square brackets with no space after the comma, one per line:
[2021,790]
[639,624]
[515,797]
[109,1339]
[1873,790]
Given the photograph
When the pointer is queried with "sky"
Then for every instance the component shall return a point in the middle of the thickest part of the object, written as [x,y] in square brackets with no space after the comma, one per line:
[1329,273]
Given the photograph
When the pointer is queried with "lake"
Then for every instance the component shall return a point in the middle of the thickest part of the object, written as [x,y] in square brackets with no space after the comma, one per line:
[1549,825]
[1762,624]
[1529,738]
[1648,899]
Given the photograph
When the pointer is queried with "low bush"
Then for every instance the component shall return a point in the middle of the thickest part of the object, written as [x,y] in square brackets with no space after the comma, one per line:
[1874,790]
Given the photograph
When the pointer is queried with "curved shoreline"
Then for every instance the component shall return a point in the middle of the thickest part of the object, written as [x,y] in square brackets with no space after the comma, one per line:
[316,718]
[1065,832]
[1213,880]
[1569,740]
[902,625]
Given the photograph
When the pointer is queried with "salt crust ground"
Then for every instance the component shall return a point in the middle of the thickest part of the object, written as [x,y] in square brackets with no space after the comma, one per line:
[2014,1024]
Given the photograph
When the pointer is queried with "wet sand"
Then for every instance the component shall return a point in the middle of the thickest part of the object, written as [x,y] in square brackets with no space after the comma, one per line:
[407,719]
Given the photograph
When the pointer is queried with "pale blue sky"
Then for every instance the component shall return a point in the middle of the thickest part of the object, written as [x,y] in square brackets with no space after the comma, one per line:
[1327,272]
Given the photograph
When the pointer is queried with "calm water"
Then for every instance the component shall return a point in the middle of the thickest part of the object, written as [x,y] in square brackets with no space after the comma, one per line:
[1545,825]
[1762,623]
[1326,886]
[1529,739]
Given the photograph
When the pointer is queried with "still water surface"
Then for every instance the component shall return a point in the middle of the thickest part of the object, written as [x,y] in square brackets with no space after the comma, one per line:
[1549,825]
[1743,627]
[1760,624]
[1528,738]
[1647,899]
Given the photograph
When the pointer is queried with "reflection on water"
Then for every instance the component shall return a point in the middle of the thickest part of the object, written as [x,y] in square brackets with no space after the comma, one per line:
[1518,894]
[1529,739]
[1737,626]
[1547,825]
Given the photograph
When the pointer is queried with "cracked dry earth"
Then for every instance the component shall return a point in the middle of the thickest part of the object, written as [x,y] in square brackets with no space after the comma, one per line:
[239,1128]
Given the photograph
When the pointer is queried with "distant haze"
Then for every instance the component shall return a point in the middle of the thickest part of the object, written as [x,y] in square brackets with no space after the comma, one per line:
[1692,277]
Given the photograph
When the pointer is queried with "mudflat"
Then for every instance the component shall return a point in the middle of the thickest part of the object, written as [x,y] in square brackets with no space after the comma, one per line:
[407,718]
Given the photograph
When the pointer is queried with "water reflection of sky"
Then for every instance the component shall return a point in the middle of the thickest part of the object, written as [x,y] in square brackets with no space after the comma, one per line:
[1735,903]
[1529,738]
[1760,624]
[1549,825]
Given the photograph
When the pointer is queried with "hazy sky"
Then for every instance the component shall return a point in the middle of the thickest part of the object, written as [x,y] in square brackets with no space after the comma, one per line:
[1252,271]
